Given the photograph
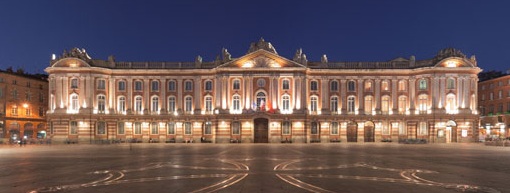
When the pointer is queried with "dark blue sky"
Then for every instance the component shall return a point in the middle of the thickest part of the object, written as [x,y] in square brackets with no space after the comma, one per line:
[30,31]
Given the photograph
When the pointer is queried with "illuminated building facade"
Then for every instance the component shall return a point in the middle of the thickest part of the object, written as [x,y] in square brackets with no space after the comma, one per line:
[262,97]
[494,105]
[23,106]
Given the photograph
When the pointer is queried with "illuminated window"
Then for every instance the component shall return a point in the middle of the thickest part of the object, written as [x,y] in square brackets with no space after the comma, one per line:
[138,128]
[402,104]
[74,83]
[208,104]
[171,128]
[261,98]
[101,99]
[171,85]
[14,110]
[155,104]
[285,84]
[120,128]
[315,128]
[74,103]
[188,85]
[27,112]
[314,85]
[313,104]
[237,84]
[138,104]
[187,128]
[385,86]
[138,85]
[491,96]
[385,104]
[208,128]
[154,128]
[236,128]
[385,129]
[208,85]
[402,85]
[188,104]
[101,128]
[368,105]
[500,94]
[155,86]
[423,128]
[334,86]
[122,104]
[101,84]
[401,129]
[286,103]
[422,103]
[122,85]
[334,104]
[351,86]
[351,104]
[286,128]
[236,103]
[450,103]
[368,86]
[41,111]
[73,127]
[334,128]
[171,104]
[422,84]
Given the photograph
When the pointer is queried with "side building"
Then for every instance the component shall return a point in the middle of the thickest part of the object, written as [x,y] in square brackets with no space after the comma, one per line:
[262,97]
[494,105]
[23,106]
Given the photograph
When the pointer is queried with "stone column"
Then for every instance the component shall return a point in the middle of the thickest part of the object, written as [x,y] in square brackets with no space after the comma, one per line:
[197,95]
[218,90]
[360,97]
[377,95]
[59,94]
[129,102]
[224,91]
[274,91]
[180,89]
[65,91]
[325,95]
[442,93]
[412,95]
[343,96]
[111,95]
[146,96]
[162,96]
[394,94]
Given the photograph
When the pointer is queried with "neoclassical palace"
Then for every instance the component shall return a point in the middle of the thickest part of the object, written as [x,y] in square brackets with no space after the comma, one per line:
[262,97]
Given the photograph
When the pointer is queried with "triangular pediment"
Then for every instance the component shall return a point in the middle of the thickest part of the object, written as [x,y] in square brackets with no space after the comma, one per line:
[261,59]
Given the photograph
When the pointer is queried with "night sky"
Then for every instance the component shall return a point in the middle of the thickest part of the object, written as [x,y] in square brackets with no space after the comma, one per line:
[30,31]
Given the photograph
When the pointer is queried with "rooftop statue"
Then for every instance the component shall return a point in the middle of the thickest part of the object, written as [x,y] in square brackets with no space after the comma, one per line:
[261,44]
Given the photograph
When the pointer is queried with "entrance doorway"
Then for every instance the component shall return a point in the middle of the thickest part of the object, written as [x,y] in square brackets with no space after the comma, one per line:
[369,132]
[261,130]
[352,132]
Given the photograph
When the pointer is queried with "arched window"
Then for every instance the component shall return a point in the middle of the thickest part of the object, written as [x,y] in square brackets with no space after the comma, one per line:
[208,104]
[236,103]
[155,104]
[385,104]
[188,104]
[351,86]
[313,104]
[285,103]
[351,101]
[261,100]
[74,103]
[172,86]
[171,104]
[121,105]
[450,104]
[101,103]
[368,105]
[138,85]
[138,104]
[422,103]
[402,104]
[285,84]
[334,104]
[334,86]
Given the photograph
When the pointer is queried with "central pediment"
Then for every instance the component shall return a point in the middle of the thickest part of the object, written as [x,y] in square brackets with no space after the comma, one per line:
[261,59]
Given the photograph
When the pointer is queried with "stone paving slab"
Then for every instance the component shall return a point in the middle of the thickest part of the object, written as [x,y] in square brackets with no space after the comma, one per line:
[342,167]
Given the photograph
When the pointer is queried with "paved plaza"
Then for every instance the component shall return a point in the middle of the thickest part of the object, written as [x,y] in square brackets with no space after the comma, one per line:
[343,168]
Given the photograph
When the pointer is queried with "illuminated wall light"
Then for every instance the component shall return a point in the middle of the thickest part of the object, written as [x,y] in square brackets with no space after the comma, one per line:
[247,65]
[451,64]
[175,113]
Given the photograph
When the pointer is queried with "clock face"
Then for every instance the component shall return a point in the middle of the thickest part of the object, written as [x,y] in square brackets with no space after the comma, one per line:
[261,82]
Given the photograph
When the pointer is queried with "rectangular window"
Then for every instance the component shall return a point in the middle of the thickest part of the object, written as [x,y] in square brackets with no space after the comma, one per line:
[208,128]
[74,83]
[171,86]
[101,84]
[286,85]
[27,112]
[73,128]
[188,86]
[122,86]
[208,86]
[14,111]
[120,128]
[41,111]
[187,128]
[138,128]
[155,86]
[138,85]
[171,128]
[237,84]
[286,128]
[236,128]
[385,129]
[314,130]
[423,128]
[1,92]
[334,128]
[154,128]
[314,86]
[41,97]
[101,128]
[401,129]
